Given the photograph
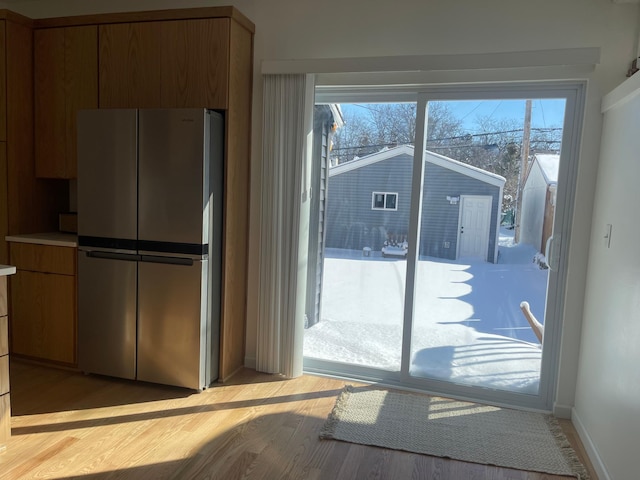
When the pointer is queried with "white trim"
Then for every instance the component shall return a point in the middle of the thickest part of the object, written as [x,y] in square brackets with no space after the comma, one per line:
[434,158]
[250,362]
[465,169]
[415,217]
[589,446]
[623,93]
[496,239]
[371,159]
[562,411]
[336,111]
[550,375]
[543,171]
[427,63]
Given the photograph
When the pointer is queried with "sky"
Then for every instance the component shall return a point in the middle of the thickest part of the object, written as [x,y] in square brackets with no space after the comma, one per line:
[545,113]
[468,324]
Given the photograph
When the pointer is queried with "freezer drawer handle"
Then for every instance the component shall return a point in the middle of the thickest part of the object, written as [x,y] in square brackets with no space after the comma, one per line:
[114,256]
[170,260]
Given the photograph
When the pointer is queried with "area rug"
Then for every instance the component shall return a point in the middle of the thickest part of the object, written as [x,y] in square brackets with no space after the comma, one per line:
[454,429]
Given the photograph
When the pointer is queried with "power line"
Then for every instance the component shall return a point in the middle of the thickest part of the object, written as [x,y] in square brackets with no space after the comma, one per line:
[462,137]
[435,147]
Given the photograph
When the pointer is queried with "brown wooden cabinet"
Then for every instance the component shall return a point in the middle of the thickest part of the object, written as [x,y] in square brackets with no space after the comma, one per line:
[43,299]
[5,404]
[3,83]
[27,204]
[199,57]
[65,80]
[165,64]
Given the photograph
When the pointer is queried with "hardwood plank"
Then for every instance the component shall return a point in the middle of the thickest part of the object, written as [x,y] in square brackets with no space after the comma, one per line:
[66,424]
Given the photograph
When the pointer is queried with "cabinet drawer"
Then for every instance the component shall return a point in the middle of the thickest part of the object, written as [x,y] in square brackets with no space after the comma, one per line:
[43,316]
[4,335]
[43,258]
[3,296]
[5,420]
[4,374]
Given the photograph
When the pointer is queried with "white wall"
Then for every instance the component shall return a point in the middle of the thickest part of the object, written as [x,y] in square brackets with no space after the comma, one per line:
[294,29]
[608,392]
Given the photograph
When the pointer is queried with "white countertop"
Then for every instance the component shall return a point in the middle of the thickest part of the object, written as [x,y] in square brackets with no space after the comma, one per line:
[7,270]
[58,239]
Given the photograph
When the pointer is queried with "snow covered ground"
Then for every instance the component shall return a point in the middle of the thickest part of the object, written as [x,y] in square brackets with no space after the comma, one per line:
[468,327]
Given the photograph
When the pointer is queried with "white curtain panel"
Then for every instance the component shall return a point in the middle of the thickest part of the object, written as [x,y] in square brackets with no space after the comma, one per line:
[287,128]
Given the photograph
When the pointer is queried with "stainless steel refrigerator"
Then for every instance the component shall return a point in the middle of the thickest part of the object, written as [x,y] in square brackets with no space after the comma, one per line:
[149,236]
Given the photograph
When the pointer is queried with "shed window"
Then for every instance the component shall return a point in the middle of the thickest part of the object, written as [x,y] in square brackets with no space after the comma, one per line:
[384,201]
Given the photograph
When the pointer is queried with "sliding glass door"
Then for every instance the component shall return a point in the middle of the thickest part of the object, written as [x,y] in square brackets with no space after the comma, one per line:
[442,265]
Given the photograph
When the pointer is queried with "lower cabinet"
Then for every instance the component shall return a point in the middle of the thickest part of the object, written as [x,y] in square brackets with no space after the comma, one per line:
[5,404]
[43,303]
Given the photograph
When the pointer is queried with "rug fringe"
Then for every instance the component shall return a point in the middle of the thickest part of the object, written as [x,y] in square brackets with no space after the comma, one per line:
[329,427]
[567,450]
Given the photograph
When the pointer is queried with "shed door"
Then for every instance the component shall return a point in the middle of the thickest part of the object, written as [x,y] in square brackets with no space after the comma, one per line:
[473,231]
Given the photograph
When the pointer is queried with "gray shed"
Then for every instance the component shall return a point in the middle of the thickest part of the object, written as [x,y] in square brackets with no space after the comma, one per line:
[369,198]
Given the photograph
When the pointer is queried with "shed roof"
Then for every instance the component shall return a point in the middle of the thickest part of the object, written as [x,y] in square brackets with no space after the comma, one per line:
[549,165]
[434,158]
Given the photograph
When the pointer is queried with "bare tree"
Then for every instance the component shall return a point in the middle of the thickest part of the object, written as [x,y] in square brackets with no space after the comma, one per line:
[495,147]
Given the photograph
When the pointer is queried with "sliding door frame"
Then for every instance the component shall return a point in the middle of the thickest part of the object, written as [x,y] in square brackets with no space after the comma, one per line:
[574,92]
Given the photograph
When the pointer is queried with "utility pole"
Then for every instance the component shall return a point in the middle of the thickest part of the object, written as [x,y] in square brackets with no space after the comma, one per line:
[524,165]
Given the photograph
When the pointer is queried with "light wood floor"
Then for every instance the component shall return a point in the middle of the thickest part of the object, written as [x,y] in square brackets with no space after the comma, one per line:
[69,425]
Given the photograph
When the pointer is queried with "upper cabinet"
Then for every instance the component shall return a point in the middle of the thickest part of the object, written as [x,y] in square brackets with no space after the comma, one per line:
[173,63]
[66,80]
[3,83]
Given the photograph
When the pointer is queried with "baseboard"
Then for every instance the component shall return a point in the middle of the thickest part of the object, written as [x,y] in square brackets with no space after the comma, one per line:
[562,411]
[250,362]
[590,448]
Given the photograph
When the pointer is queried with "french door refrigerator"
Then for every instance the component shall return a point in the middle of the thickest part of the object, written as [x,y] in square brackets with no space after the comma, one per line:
[149,236]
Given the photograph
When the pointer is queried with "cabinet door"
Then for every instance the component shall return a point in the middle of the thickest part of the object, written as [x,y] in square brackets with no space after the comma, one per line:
[43,320]
[195,63]
[3,84]
[66,80]
[49,102]
[5,420]
[129,69]
[172,64]
[81,85]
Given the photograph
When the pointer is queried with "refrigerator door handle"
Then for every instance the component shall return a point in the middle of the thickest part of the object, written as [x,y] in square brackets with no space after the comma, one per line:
[130,257]
[169,260]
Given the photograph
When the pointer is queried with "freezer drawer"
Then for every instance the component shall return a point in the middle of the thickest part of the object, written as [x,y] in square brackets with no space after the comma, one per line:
[107,315]
[173,324]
